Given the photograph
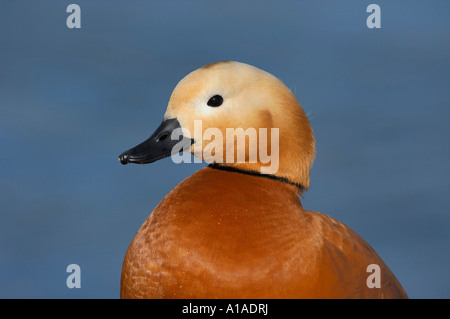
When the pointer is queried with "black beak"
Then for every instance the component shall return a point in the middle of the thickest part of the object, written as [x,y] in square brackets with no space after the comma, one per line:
[157,146]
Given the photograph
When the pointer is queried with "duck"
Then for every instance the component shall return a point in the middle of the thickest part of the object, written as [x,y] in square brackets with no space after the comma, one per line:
[236,229]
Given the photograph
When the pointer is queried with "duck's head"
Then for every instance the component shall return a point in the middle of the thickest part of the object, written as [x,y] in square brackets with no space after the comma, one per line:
[248,102]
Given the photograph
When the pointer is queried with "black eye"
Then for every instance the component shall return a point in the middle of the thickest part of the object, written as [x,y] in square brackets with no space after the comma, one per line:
[215,101]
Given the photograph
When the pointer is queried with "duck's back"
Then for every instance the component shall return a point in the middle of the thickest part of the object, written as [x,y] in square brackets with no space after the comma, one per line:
[222,234]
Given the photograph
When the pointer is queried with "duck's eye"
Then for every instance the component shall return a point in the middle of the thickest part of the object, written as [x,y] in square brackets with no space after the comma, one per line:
[215,101]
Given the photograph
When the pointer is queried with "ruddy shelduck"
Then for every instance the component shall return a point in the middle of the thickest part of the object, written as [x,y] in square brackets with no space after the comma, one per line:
[230,230]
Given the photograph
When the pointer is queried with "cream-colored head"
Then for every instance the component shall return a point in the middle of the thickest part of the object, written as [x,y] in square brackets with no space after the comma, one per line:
[252,98]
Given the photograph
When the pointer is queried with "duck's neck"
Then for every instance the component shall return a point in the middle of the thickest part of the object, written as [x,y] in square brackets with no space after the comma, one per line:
[300,189]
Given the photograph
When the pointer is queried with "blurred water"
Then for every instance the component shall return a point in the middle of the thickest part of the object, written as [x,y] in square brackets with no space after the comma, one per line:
[72,100]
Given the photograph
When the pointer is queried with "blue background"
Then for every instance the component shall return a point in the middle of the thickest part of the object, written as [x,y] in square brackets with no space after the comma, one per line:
[71,100]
